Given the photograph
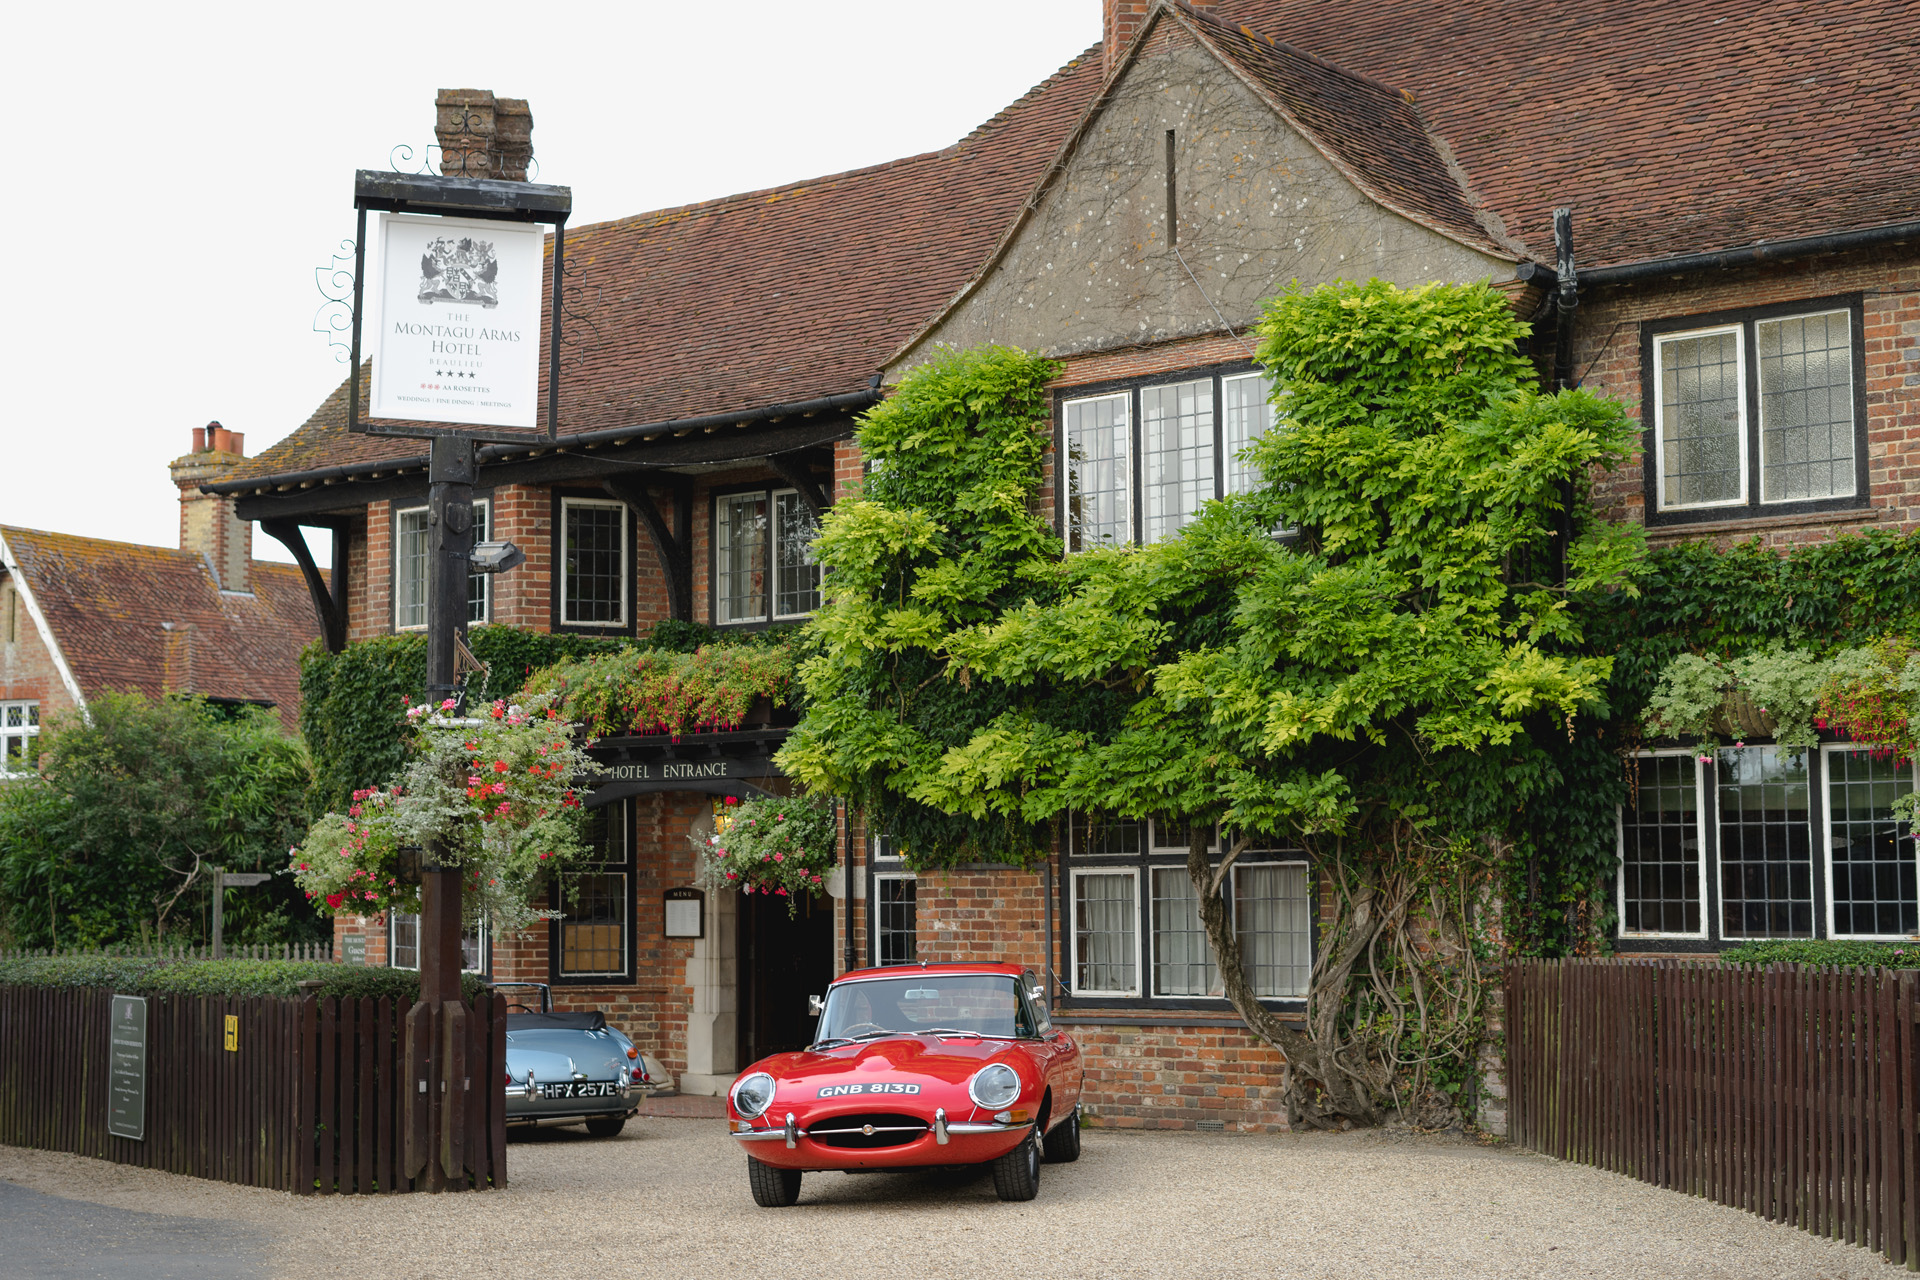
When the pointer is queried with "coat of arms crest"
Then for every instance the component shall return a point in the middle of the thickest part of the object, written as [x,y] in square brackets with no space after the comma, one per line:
[463,271]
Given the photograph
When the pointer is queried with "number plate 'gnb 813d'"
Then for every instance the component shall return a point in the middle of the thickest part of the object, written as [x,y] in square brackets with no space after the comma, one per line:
[580,1089]
[878,1086]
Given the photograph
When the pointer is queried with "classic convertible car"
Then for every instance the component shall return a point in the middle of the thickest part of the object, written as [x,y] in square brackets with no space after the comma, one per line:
[915,1066]
[568,1068]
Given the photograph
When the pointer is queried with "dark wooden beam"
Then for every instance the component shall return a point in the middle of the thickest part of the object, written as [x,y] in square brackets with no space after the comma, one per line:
[333,621]
[674,546]
[793,468]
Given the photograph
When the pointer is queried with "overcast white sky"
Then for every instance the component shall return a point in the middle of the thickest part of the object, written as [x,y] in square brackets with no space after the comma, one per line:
[178,172]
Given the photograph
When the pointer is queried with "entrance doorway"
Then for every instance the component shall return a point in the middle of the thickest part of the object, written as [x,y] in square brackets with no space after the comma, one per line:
[782,962]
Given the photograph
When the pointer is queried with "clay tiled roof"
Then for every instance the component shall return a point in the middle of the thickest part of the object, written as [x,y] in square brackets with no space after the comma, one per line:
[1374,133]
[152,620]
[1669,128]
[772,297]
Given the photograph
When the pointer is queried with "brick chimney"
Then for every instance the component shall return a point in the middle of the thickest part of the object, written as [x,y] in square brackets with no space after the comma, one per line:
[1121,20]
[208,524]
[482,136]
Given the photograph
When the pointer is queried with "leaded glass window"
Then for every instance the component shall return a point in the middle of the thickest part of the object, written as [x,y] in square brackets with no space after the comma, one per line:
[1766,844]
[1176,421]
[1660,847]
[1182,958]
[1246,414]
[1806,406]
[1701,449]
[796,589]
[1273,915]
[593,587]
[895,925]
[1099,477]
[1870,855]
[1105,938]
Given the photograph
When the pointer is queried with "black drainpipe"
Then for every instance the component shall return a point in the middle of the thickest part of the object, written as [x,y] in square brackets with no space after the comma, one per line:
[1567,300]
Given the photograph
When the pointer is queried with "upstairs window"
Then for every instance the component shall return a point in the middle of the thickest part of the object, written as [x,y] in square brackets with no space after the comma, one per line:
[1758,414]
[412,557]
[1141,461]
[763,563]
[19,736]
[593,563]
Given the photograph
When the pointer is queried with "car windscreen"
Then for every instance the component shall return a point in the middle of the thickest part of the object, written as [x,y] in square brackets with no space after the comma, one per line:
[984,1004]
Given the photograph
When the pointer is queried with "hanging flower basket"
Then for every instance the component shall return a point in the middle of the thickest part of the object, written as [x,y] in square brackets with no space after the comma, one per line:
[1741,717]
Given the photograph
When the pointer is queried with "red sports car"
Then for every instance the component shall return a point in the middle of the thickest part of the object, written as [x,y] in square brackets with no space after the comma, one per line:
[915,1066]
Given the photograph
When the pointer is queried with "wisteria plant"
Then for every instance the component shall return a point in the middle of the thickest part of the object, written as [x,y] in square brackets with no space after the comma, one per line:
[781,846]
[494,793]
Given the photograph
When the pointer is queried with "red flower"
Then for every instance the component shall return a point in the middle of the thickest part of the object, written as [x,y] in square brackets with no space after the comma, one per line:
[335,899]
[499,766]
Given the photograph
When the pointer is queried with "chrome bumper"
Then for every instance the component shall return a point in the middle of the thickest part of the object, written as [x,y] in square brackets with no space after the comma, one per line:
[791,1132]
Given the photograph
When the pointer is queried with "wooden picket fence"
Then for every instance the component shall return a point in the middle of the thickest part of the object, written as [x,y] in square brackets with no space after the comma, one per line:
[313,1098]
[1788,1090]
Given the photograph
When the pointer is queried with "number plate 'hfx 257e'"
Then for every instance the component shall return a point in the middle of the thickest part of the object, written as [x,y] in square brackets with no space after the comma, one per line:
[843,1090]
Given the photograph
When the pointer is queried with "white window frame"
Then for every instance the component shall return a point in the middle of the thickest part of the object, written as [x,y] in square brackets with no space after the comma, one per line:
[1233,905]
[30,713]
[626,565]
[1128,463]
[1145,912]
[483,523]
[1073,934]
[1760,405]
[1152,458]
[873,943]
[1828,750]
[1707,899]
[1660,416]
[394,918]
[775,534]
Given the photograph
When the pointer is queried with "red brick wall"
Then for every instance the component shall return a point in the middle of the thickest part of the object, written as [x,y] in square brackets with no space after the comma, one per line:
[1607,357]
[27,669]
[1172,1077]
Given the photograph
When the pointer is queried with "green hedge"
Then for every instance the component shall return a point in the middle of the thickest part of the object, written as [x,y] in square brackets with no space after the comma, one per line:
[147,976]
[1886,955]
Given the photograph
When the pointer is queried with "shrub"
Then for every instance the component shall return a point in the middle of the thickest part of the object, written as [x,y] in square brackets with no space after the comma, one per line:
[1884,955]
[152,976]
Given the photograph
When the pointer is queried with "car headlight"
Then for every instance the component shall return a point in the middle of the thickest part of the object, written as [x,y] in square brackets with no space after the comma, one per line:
[994,1087]
[753,1094]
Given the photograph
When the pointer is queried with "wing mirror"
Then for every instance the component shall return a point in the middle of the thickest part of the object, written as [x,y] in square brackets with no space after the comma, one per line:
[816,1005]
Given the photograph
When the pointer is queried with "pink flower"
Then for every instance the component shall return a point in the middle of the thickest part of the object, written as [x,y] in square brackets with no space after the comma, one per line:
[447,705]
[473,779]
[504,806]
[779,857]
[499,788]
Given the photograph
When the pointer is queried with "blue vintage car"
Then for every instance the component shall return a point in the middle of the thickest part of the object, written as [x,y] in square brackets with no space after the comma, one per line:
[568,1068]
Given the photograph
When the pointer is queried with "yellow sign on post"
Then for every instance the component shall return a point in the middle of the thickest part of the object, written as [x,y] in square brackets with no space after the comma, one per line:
[233,1033]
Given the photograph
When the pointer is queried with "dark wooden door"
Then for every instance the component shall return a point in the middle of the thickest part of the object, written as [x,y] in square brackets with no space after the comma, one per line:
[782,962]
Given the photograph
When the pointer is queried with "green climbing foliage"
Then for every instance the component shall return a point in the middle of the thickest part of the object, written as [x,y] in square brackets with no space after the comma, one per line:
[1403,688]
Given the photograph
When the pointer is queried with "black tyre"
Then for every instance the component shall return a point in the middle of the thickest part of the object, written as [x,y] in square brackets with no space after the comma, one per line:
[606,1126]
[772,1188]
[1063,1140]
[1016,1175]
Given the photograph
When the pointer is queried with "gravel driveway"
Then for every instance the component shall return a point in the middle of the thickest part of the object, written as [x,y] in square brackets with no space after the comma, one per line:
[669,1198]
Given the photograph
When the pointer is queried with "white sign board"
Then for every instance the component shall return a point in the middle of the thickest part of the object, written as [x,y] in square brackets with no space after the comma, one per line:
[459,331]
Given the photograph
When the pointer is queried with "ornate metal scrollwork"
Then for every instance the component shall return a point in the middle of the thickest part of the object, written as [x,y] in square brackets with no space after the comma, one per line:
[580,310]
[335,316]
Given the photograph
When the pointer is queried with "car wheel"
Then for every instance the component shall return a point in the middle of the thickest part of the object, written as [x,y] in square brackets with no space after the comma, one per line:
[606,1126]
[1016,1175]
[772,1188]
[1063,1142]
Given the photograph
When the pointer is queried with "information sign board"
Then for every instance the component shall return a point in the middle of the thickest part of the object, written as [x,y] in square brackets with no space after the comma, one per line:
[685,912]
[127,1069]
[353,948]
[459,335]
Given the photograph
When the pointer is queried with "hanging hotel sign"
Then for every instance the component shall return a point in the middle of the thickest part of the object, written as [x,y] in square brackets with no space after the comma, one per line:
[459,327]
